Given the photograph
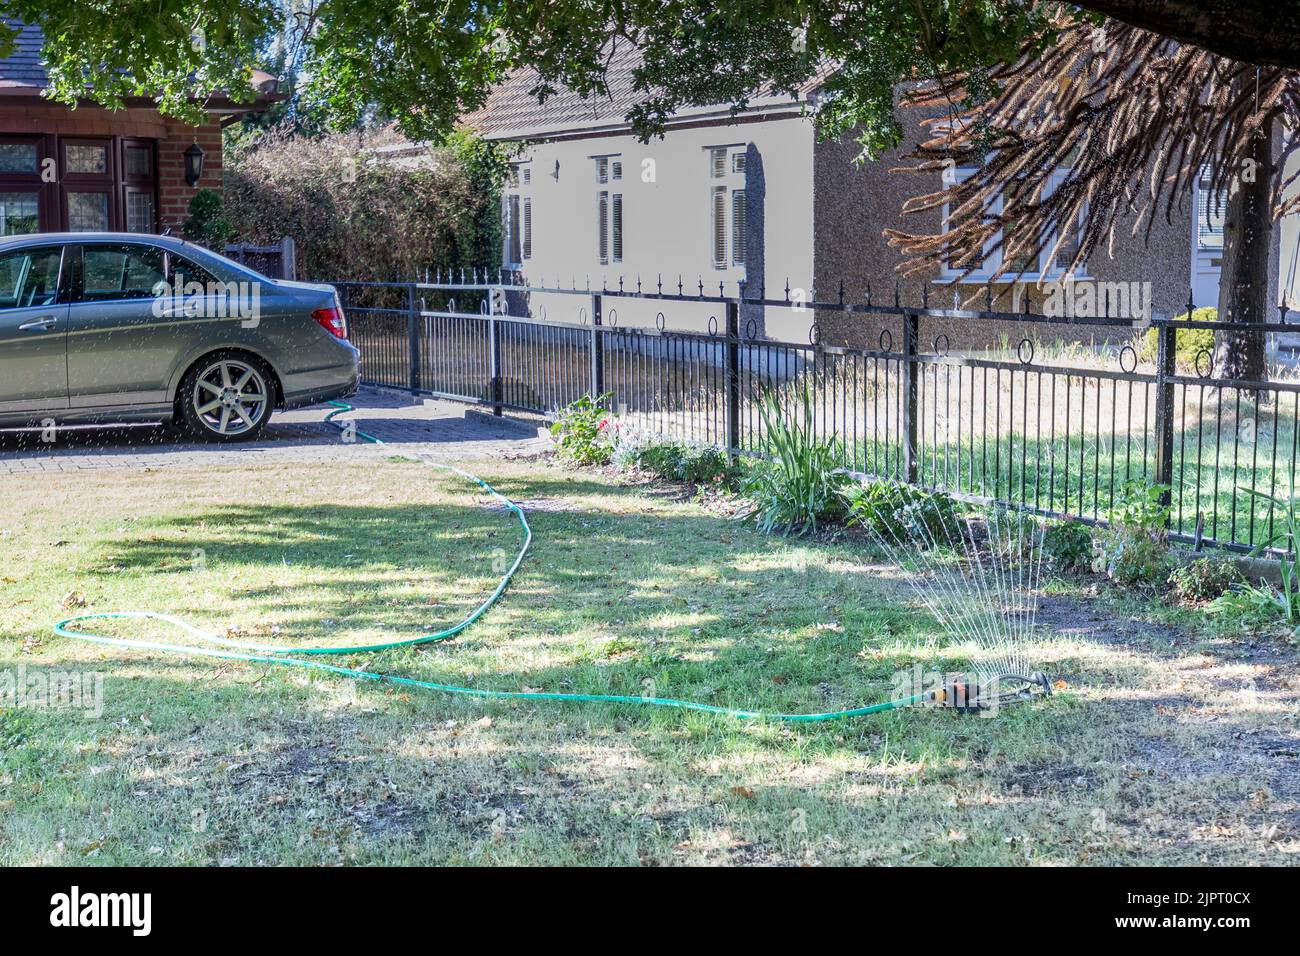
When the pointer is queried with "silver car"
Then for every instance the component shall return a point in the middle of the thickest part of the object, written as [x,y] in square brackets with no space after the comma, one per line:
[118,327]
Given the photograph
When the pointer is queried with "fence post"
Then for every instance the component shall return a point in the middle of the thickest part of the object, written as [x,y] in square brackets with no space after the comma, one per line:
[495,390]
[597,350]
[1165,355]
[288,258]
[413,335]
[911,326]
[733,377]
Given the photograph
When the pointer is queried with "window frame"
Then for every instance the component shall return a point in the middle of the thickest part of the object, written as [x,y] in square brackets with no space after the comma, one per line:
[611,209]
[1206,201]
[61,292]
[77,290]
[726,178]
[517,195]
[46,192]
[994,257]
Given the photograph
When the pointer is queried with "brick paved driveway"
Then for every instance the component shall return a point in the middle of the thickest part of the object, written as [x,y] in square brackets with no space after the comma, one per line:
[443,429]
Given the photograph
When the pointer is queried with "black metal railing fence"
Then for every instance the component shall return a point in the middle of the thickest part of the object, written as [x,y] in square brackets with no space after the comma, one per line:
[1070,435]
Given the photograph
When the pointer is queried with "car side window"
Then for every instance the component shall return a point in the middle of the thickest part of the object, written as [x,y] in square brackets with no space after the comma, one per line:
[120,272]
[30,278]
[182,271]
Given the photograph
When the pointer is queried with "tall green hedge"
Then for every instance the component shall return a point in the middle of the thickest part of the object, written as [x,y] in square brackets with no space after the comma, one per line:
[359,213]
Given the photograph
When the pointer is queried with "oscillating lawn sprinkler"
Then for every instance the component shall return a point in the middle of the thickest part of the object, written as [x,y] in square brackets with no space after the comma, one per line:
[972,697]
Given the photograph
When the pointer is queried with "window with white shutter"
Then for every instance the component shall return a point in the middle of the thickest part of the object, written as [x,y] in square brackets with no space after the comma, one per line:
[739,226]
[602,217]
[728,214]
[517,213]
[719,227]
[609,210]
[513,231]
[528,228]
[718,162]
[616,225]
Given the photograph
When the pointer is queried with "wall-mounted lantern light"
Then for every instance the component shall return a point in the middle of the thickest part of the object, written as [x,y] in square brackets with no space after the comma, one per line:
[193,164]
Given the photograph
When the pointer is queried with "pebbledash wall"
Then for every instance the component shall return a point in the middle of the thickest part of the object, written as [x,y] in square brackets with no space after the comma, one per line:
[855,203]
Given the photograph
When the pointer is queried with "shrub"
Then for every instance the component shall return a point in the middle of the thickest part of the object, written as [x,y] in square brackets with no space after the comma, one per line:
[1134,550]
[1068,545]
[207,224]
[1188,343]
[1203,579]
[358,215]
[695,464]
[899,512]
[581,431]
[803,482]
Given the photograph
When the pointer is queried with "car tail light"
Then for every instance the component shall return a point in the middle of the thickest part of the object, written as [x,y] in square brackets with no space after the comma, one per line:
[332,321]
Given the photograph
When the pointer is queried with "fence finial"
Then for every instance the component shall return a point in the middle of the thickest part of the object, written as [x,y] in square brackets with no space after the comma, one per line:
[841,290]
[659,284]
[787,288]
[679,283]
[897,293]
[868,293]
[1191,305]
[1282,311]
[925,295]
[620,282]
[701,280]
[721,293]
[638,283]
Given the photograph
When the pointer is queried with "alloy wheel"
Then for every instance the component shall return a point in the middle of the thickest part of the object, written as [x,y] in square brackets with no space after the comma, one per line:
[230,397]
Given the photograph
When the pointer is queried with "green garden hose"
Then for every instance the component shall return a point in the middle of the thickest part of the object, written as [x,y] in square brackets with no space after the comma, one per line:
[211,646]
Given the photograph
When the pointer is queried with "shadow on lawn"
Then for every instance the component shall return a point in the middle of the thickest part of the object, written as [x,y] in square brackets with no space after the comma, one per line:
[707,609]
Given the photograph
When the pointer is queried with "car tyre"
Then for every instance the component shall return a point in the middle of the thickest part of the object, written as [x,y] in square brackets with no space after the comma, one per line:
[226,397]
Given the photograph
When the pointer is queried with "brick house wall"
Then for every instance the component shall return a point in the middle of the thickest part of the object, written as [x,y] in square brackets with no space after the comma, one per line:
[23,117]
[174,194]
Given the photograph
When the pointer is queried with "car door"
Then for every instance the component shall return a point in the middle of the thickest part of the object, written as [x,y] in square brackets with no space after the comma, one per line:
[33,330]
[122,340]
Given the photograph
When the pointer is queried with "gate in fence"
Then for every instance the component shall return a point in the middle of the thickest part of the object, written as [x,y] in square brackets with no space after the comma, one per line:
[1056,428]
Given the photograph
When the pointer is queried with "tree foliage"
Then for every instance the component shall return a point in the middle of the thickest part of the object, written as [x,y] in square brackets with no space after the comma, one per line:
[424,64]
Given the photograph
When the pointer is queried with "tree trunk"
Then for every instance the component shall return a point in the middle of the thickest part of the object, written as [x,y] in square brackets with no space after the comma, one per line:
[1244,294]
[1259,32]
